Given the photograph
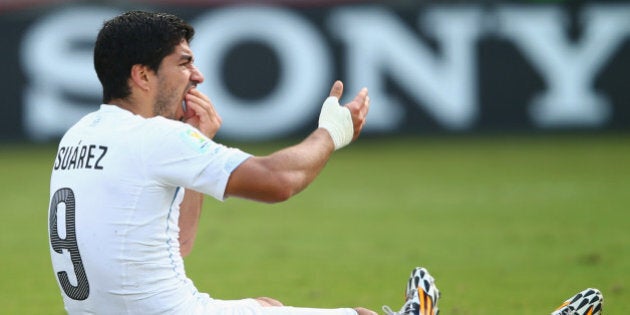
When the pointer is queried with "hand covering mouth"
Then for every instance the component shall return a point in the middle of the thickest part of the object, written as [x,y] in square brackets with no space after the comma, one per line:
[190,87]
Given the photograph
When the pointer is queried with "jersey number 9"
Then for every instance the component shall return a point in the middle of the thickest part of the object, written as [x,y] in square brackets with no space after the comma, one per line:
[82,290]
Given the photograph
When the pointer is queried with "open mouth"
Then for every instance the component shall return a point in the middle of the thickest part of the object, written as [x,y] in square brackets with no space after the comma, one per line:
[184,105]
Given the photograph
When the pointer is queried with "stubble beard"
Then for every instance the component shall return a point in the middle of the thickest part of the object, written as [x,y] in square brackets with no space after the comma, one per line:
[164,104]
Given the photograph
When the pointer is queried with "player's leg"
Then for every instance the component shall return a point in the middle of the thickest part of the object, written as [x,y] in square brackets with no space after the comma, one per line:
[267,301]
[253,307]
[290,310]
[586,302]
[421,295]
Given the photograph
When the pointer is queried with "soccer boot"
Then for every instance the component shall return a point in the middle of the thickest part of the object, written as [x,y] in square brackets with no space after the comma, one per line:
[421,295]
[587,302]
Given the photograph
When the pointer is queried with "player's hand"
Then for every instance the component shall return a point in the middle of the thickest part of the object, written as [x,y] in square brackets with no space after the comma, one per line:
[358,107]
[200,113]
[364,311]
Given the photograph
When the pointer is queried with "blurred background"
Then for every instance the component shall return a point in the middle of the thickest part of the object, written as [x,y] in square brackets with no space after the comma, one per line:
[445,67]
[496,153]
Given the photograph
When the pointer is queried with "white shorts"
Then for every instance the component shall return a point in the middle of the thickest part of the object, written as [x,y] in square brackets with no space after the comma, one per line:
[209,306]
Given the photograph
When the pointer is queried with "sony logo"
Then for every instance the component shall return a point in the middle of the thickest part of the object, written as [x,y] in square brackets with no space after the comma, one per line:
[377,48]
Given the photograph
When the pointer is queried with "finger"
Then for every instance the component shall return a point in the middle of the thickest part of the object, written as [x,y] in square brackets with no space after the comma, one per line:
[196,92]
[202,116]
[193,110]
[200,102]
[189,111]
[361,96]
[360,102]
[366,106]
[337,89]
[203,112]
[195,95]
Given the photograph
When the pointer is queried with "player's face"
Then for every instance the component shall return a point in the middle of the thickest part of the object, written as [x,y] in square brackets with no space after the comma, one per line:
[176,76]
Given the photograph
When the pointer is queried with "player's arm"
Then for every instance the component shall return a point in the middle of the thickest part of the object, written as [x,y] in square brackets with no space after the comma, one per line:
[284,173]
[278,176]
[189,214]
[200,114]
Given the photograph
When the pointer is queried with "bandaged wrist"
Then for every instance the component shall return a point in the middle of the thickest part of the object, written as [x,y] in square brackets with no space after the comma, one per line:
[337,121]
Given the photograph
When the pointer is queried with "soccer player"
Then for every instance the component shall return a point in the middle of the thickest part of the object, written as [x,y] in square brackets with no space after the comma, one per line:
[127,181]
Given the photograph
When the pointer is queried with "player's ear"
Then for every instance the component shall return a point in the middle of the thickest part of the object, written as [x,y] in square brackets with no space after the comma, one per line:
[140,76]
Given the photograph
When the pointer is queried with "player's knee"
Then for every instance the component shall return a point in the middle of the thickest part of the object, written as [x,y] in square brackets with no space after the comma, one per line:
[266,301]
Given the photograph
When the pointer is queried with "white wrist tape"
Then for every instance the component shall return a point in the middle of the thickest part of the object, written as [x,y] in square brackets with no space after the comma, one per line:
[337,121]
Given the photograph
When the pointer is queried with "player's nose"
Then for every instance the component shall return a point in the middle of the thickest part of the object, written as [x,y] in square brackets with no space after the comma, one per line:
[197,76]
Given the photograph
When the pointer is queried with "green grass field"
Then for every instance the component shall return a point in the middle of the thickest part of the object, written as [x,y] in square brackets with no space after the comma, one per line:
[507,225]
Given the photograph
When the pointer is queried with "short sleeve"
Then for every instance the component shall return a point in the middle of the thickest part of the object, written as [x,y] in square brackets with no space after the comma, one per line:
[180,155]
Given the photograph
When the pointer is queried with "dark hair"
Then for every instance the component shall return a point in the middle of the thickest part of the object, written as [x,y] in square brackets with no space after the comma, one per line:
[135,37]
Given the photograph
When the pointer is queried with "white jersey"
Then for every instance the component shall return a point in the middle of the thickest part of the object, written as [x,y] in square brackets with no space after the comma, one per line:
[116,185]
[115,190]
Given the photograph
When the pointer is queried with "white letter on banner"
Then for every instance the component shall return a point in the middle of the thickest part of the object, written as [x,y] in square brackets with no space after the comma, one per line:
[304,78]
[569,69]
[55,67]
[379,45]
